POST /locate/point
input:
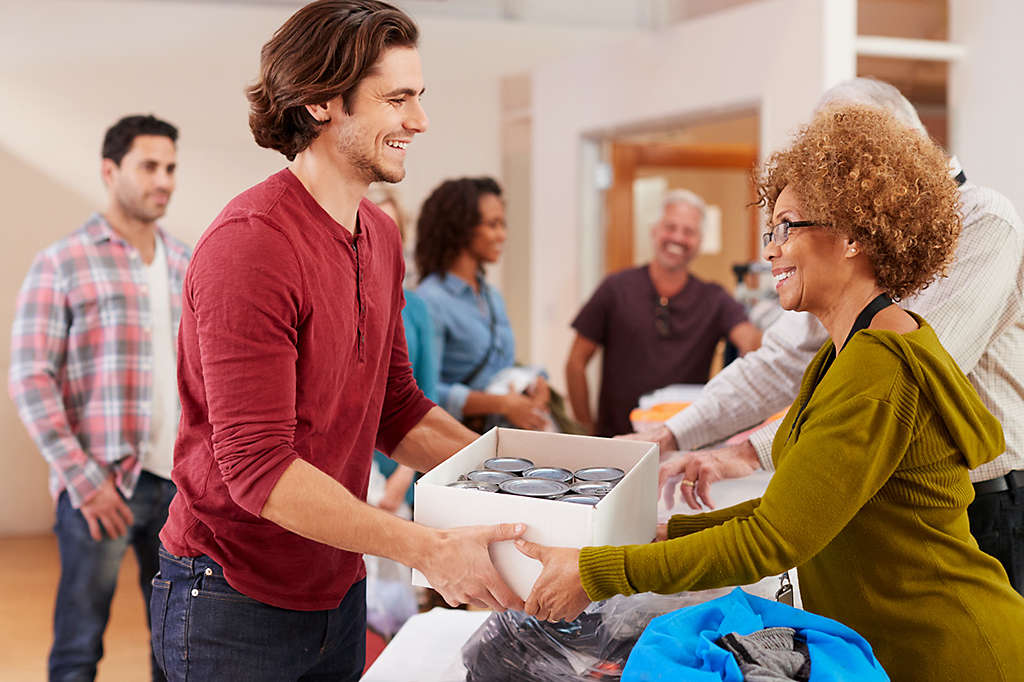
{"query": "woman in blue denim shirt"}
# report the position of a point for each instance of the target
(460, 228)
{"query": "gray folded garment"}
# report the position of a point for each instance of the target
(769, 655)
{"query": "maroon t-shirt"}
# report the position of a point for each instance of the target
(637, 359)
(291, 346)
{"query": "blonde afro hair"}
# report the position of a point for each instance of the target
(872, 179)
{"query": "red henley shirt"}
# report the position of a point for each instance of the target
(291, 346)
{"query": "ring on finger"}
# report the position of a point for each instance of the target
(688, 483)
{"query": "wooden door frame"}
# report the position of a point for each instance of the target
(627, 157)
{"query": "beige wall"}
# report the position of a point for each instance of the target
(516, 130)
(985, 96)
(37, 211)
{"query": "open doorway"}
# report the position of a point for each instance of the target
(713, 158)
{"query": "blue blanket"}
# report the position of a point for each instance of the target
(681, 645)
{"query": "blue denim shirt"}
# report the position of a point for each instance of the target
(419, 337)
(462, 328)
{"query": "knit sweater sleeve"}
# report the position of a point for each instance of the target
(844, 454)
(684, 524)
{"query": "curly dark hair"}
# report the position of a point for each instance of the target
(863, 174)
(118, 139)
(447, 221)
(324, 50)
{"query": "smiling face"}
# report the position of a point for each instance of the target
(677, 236)
(142, 184)
(489, 236)
(809, 269)
(384, 114)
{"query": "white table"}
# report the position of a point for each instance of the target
(428, 648)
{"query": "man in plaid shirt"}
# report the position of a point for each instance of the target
(93, 376)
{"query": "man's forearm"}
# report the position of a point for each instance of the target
(579, 394)
(479, 402)
(433, 440)
(310, 503)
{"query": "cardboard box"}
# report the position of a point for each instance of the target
(627, 515)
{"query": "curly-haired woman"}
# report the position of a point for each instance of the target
(461, 227)
(871, 486)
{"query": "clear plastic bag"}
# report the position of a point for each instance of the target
(515, 647)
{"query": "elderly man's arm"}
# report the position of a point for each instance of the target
(746, 337)
(748, 390)
(753, 387)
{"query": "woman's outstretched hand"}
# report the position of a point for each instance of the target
(558, 593)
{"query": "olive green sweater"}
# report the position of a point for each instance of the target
(869, 501)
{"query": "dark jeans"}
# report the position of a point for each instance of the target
(204, 629)
(88, 576)
(997, 523)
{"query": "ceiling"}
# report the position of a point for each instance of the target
(648, 14)
(924, 82)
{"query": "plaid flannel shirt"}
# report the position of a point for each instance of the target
(81, 356)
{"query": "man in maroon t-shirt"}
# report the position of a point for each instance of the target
(292, 367)
(657, 324)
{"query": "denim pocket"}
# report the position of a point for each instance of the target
(214, 586)
(158, 616)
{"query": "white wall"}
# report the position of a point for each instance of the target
(777, 56)
(70, 68)
(986, 97)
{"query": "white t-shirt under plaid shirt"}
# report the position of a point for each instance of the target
(158, 457)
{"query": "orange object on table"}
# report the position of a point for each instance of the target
(657, 414)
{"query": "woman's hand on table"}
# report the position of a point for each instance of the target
(558, 593)
(694, 472)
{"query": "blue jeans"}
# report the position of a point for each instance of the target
(88, 576)
(203, 629)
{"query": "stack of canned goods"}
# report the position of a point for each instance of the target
(518, 476)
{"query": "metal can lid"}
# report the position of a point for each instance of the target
(475, 485)
(512, 465)
(611, 474)
(596, 488)
(533, 487)
(551, 473)
(580, 499)
(489, 476)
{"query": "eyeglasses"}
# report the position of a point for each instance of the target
(662, 319)
(778, 234)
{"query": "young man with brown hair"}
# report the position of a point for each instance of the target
(293, 366)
